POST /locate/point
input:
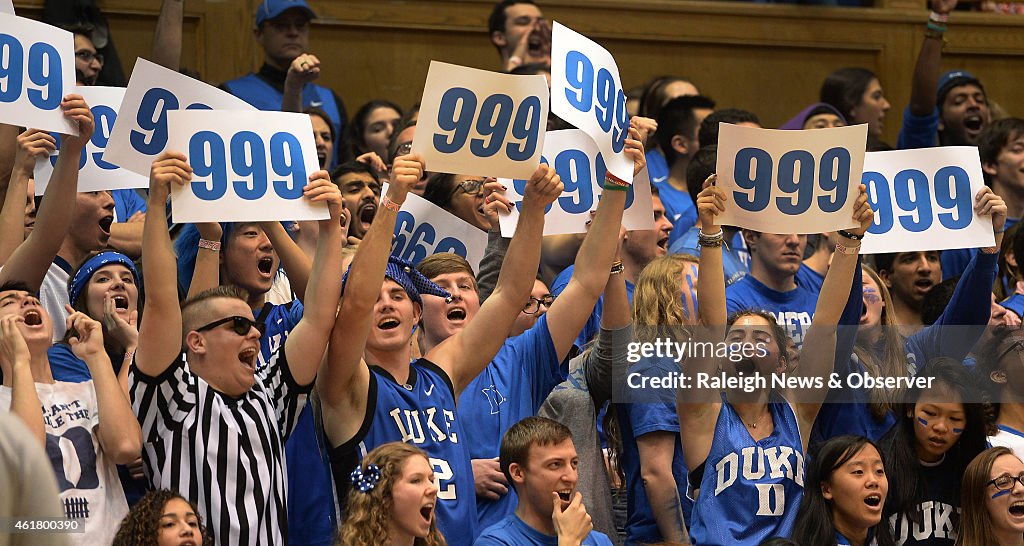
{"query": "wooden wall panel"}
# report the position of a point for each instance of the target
(767, 58)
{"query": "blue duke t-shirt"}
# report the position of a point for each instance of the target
(512, 387)
(793, 310)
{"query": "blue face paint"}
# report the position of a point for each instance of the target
(922, 421)
(1000, 494)
(958, 431)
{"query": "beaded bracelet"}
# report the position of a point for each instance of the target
(711, 240)
(387, 203)
(852, 250)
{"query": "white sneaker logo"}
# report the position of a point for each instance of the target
(430, 390)
(316, 104)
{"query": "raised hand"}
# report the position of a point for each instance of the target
(304, 69)
(646, 126)
(170, 168)
(77, 110)
(321, 190)
(495, 202)
(543, 187)
(406, 172)
(634, 149)
(943, 6)
(862, 212)
(33, 144)
(574, 523)
(989, 203)
(373, 161)
(710, 203)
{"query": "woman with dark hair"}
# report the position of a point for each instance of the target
(738, 429)
(323, 135)
(846, 490)
(993, 500)
(939, 430)
(462, 195)
(371, 129)
(858, 96)
(392, 499)
(163, 518)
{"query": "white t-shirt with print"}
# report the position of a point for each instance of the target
(89, 487)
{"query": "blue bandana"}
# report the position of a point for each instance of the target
(412, 281)
(90, 266)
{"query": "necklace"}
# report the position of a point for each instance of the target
(754, 424)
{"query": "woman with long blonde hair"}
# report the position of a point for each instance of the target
(651, 458)
(392, 501)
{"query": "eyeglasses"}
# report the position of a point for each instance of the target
(533, 306)
(471, 187)
(240, 325)
(1006, 482)
(88, 57)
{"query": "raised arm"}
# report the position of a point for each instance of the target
(464, 355)
(32, 144)
(698, 409)
(119, 431)
(308, 340)
(970, 304)
(32, 259)
(206, 274)
(818, 353)
(304, 69)
(24, 399)
(160, 332)
(613, 338)
(296, 264)
(920, 121)
(572, 308)
(167, 37)
(344, 379)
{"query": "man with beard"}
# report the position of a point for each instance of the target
(282, 30)
(520, 33)
(360, 190)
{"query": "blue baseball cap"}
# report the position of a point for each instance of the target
(269, 9)
(951, 79)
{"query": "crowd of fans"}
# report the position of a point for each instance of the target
(294, 383)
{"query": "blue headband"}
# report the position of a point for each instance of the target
(90, 266)
(409, 278)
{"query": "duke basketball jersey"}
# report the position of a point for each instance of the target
(751, 490)
(422, 413)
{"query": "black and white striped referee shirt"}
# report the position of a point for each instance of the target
(225, 454)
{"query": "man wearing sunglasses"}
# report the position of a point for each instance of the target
(214, 428)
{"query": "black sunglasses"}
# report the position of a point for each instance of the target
(240, 325)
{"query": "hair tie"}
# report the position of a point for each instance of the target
(366, 480)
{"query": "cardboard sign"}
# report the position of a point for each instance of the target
(95, 174)
(38, 69)
(475, 121)
(246, 166)
(586, 91)
(790, 181)
(582, 169)
(924, 200)
(152, 92)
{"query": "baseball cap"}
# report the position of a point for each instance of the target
(951, 79)
(269, 9)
